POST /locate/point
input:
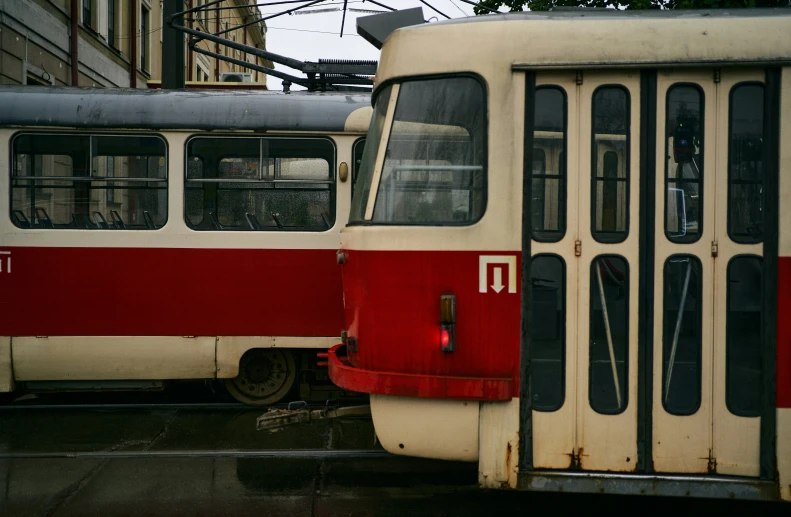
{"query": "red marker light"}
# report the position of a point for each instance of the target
(444, 337)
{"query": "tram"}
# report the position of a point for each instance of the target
(566, 258)
(148, 236)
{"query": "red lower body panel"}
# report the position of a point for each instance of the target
(348, 377)
(169, 292)
(392, 304)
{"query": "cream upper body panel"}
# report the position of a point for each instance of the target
(493, 44)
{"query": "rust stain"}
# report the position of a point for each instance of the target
(712, 463)
(576, 459)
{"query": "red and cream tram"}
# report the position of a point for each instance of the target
(566, 257)
(156, 235)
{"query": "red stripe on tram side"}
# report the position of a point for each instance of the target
(392, 304)
(169, 292)
(784, 332)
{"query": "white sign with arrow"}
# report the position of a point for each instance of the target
(498, 262)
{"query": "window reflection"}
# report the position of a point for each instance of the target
(433, 171)
(549, 167)
(610, 164)
(682, 332)
(684, 172)
(745, 164)
(548, 344)
(609, 334)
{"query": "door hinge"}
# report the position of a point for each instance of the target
(577, 248)
(579, 78)
(715, 248)
(717, 75)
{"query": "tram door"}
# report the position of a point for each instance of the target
(708, 269)
(707, 272)
(586, 251)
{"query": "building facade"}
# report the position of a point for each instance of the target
(118, 42)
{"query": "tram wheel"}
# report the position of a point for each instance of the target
(265, 376)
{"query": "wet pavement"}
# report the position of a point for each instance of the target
(210, 460)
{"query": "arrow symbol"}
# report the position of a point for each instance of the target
(498, 279)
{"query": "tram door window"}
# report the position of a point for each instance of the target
(745, 163)
(609, 335)
(260, 184)
(610, 163)
(684, 168)
(77, 181)
(743, 340)
(549, 165)
(548, 352)
(682, 335)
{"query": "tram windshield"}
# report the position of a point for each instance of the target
(433, 168)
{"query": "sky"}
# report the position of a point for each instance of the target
(314, 33)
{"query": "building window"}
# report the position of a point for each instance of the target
(111, 22)
(144, 24)
(87, 13)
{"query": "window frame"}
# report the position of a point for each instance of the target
(731, 236)
(89, 135)
(608, 237)
(374, 190)
(563, 179)
(333, 182)
(701, 210)
(563, 340)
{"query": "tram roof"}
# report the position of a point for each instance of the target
(590, 38)
(126, 108)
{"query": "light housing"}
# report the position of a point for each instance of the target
(447, 322)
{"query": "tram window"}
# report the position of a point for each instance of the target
(368, 159)
(260, 184)
(608, 387)
(549, 165)
(433, 172)
(745, 163)
(682, 327)
(743, 335)
(548, 340)
(357, 157)
(610, 164)
(684, 169)
(89, 182)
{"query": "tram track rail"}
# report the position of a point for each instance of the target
(308, 454)
(165, 406)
